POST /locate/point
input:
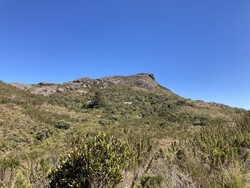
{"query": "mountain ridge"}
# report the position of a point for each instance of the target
(83, 84)
(145, 96)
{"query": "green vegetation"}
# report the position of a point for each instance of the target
(96, 163)
(150, 138)
(217, 155)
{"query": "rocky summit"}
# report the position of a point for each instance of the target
(83, 85)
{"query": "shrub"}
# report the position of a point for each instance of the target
(14, 137)
(97, 101)
(97, 163)
(44, 134)
(62, 125)
(103, 122)
(148, 181)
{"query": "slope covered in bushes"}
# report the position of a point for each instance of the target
(171, 141)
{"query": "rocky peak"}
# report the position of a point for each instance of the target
(144, 80)
(83, 85)
(147, 74)
(140, 80)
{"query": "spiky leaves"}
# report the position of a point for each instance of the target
(97, 163)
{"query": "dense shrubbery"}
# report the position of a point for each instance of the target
(97, 101)
(217, 155)
(97, 163)
(36, 131)
(122, 101)
(42, 131)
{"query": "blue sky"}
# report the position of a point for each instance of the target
(198, 49)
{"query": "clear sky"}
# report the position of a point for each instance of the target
(199, 49)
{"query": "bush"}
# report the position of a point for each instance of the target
(62, 125)
(148, 181)
(44, 134)
(43, 131)
(97, 101)
(97, 163)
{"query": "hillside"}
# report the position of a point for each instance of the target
(39, 122)
(139, 94)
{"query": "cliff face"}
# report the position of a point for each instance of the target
(83, 85)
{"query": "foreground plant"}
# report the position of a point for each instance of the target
(97, 163)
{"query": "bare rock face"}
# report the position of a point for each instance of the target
(141, 80)
(47, 90)
(83, 85)
(21, 86)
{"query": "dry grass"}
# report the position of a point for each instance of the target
(13, 118)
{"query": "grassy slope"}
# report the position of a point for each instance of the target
(29, 136)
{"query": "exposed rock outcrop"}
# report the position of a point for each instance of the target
(83, 85)
(21, 86)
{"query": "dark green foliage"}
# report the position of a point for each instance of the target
(72, 101)
(148, 181)
(97, 163)
(44, 133)
(200, 121)
(97, 101)
(62, 125)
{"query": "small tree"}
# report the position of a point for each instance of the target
(97, 163)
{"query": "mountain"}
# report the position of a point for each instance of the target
(139, 93)
(84, 85)
(38, 123)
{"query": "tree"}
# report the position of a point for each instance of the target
(97, 163)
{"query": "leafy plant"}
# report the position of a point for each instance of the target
(97, 163)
